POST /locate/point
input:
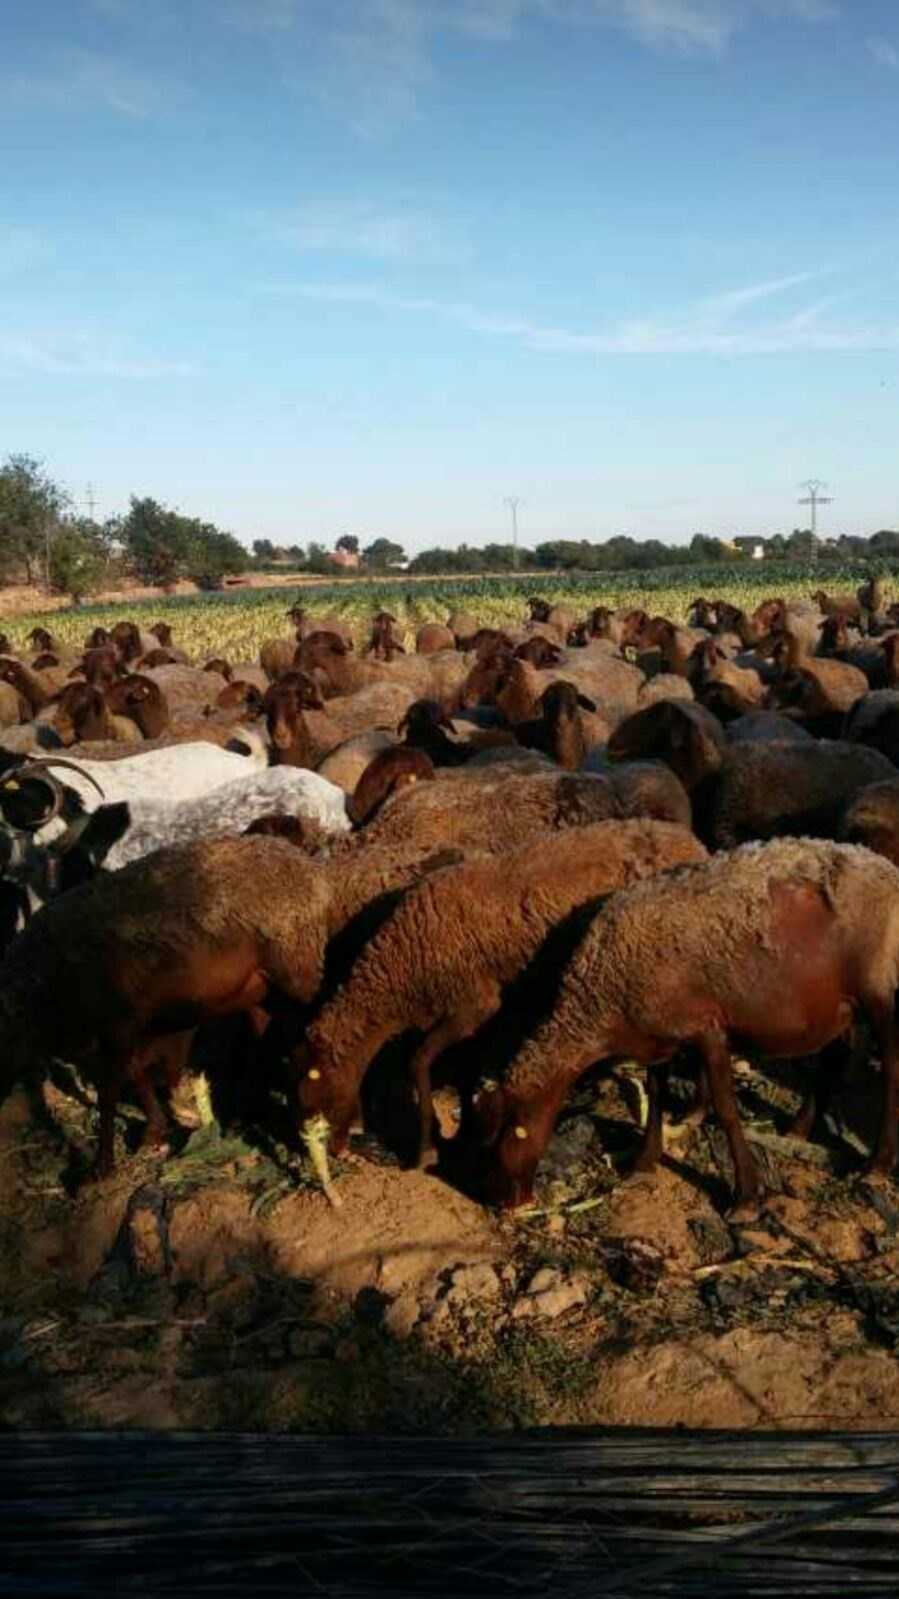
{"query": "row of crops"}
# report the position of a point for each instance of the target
(235, 624)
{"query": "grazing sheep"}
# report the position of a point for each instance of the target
(440, 962)
(498, 811)
(764, 791)
(183, 936)
(775, 945)
(390, 772)
(157, 823)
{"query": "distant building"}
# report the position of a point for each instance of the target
(751, 547)
(348, 559)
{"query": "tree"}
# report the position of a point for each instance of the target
(156, 541)
(31, 505)
(382, 553)
(263, 549)
(318, 559)
(78, 559)
(348, 542)
(212, 555)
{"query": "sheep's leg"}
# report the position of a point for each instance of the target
(157, 1128)
(716, 1056)
(451, 1030)
(883, 1023)
(650, 1152)
(108, 1091)
(825, 1080)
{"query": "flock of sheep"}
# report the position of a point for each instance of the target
(532, 849)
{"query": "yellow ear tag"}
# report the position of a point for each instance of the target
(521, 1132)
(314, 1075)
(12, 786)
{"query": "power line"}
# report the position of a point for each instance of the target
(513, 501)
(814, 498)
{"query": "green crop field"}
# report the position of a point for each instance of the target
(235, 624)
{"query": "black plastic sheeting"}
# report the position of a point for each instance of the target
(562, 1514)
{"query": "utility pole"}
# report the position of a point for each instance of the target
(814, 498)
(513, 501)
(90, 501)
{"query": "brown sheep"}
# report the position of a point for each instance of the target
(687, 737)
(221, 666)
(539, 651)
(126, 636)
(160, 657)
(246, 699)
(561, 730)
(346, 762)
(872, 819)
(82, 713)
(40, 639)
(391, 772)
(821, 690)
(276, 657)
(142, 701)
(163, 632)
(13, 709)
(433, 636)
(722, 685)
(5, 645)
(183, 935)
(496, 813)
(97, 637)
(776, 946)
(101, 666)
(28, 685)
(385, 641)
(440, 962)
(285, 702)
(463, 627)
(764, 791)
(874, 722)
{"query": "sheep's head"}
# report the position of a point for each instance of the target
(220, 665)
(422, 720)
(97, 637)
(141, 699)
(561, 702)
(325, 1089)
(685, 736)
(101, 666)
(245, 695)
(390, 771)
(538, 610)
(126, 638)
(81, 714)
(284, 703)
(511, 1131)
(162, 631)
(539, 651)
(41, 639)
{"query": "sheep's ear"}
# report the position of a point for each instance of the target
(585, 703)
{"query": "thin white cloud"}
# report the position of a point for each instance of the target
(703, 329)
(79, 80)
(82, 354)
(365, 229)
(884, 53)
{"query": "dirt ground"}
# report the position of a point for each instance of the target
(218, 1288)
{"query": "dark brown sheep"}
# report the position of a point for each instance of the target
(776, 946)
(142, 701)
(221, 666)
(440, 962)
(561, 731)
(127, 639)
(392, 771)
(293, 744)
(385, 642)
(539, 652)
(686, 736)
(101, 666)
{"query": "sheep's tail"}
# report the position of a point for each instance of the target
(315, 1137)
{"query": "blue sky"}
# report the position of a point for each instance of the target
(373, 265)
